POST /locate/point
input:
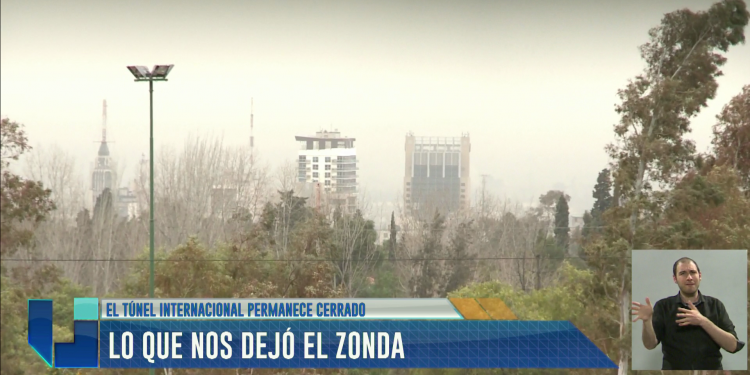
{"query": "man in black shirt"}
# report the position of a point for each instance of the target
(691, 327)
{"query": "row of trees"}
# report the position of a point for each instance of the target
(658, 192)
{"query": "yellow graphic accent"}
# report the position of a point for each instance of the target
(469, 308)
(497, 309)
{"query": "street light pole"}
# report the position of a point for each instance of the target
(159, 73)
(151, 190)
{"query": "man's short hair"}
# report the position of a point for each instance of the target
(684, 260)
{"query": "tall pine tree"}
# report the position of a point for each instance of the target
(603, 196)
(562, 224)
(594, 221)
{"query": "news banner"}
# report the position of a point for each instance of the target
(308, 333)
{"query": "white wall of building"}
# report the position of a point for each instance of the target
(323, 162)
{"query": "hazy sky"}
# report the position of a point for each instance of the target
(533, 82)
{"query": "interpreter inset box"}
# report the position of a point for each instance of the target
(690, 309)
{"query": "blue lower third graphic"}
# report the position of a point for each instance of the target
(347, 344)
(83, 351)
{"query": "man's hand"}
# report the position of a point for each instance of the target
(644, 312)
(690, 317)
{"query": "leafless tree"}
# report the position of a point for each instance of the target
(200, 189)
(353, 248)
(74, 232)
(55, 168)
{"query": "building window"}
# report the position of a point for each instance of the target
(315, 181)
(328, 182)
(315, 174)
(315, 167)
(302, 158)
(328, 174)
(328, 167)
(315, 159)
(328, 159)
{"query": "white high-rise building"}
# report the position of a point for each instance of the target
(328, 161)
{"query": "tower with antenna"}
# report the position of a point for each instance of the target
(103, 177)
(104, 121)
(252, 139)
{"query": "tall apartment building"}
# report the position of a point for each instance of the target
(329, 162)
(437, 174)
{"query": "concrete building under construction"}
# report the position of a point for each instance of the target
(437, 175)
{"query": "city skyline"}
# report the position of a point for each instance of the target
(534, 84)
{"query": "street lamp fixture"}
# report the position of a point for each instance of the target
(159, 73)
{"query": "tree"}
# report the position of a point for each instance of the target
(427, 279)
(198, 191)
(22, 201)
(46, 282)
(24, 204)
(593, 221)
(682, 62)
(353, 250)
(291, 210)
(547, 203)
(567, 299)
(588, 222)
(706, 212)
(562, 224)
(732, 136)
(603, 197)
(55, 168)
(462, 264)
(392, 238)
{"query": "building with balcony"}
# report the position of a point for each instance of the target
(437, 175)
(328, 162)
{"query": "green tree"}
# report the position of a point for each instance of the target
(588, 223)
(705, 212)
(547, 203)
(732, 136)
(46, 282)
(683, 57)
(426, 281)
(22, 201)
(562, 224)
(603, 197)
(593, 221)
(567, 299)
(462, 264)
